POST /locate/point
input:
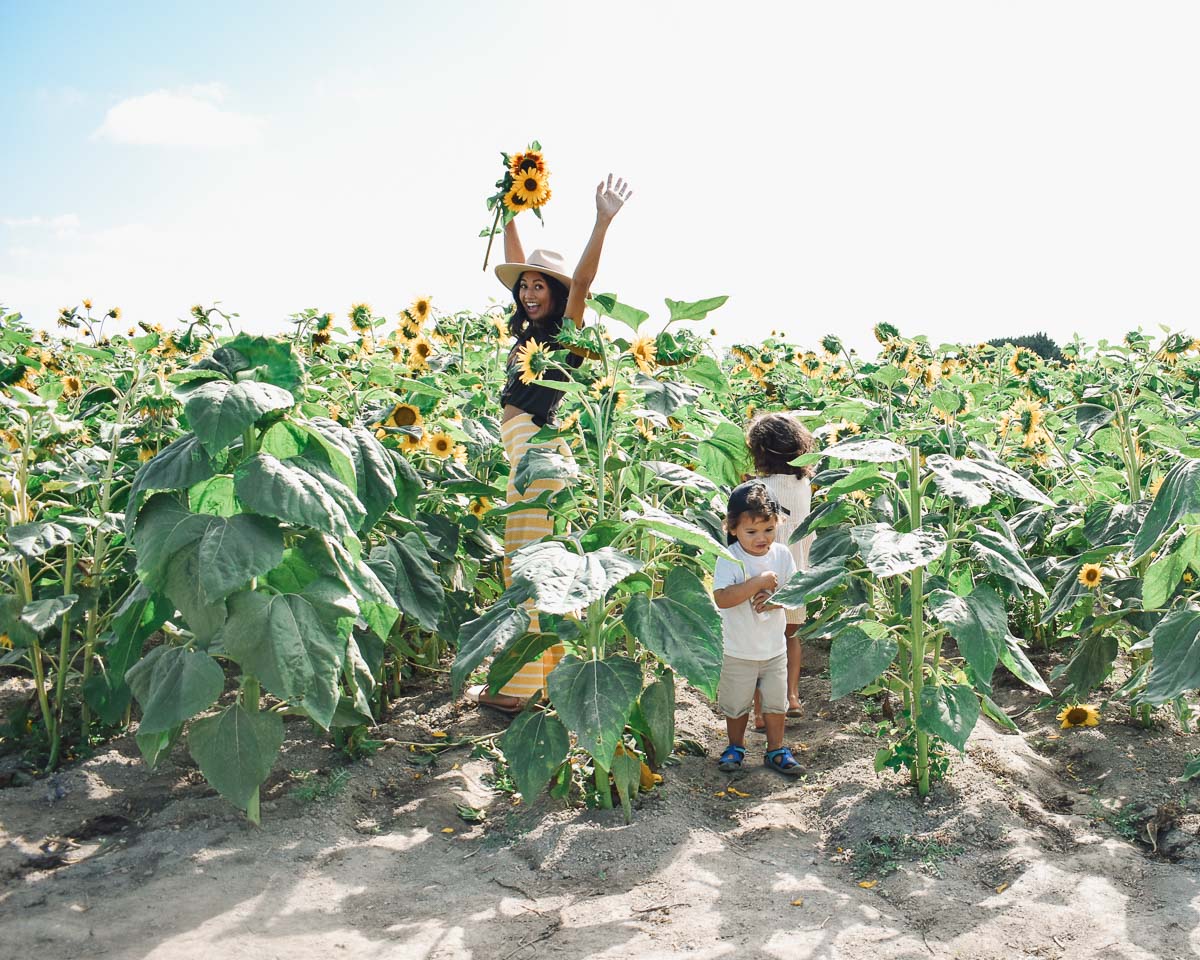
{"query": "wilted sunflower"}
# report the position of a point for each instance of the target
(831, 344)
(146, 452)
(1025, 417)
(1079, 715)
(324, 322)
(72, 386)
(569, 421)
(1175, 345)
(404, 415)
(421, 348)
(320, 339)
(479, 506)
(810, 364)
(1022, 361)
(115, 313)
(644, 427)
(532, 359)
(360, 316)
(420, 310)
(441, 445)
(1090, 575)
(9, 439)
(886, 332)
(66, 318)
(645, 352)
(1155, 486)
(951, 411)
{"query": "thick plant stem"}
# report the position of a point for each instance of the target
(917, 634)
(64, 649)
(250, 697)
(603, 790)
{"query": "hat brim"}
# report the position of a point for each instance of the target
(510, 273)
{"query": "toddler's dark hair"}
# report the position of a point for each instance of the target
(774, 440)
(753, 498)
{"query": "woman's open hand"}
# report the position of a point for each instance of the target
(611, 197)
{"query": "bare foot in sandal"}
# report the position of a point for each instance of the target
(494, 701)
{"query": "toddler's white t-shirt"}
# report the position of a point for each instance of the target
(750, 635)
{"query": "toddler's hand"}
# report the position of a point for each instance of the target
(760, 601)
(768, 581)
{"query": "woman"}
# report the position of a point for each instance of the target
(546, 298)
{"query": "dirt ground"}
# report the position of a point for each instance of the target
(1076, 844)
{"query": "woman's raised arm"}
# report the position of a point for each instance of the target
(610, 198)
(513, 252)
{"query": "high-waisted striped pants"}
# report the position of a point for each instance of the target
(522, 528)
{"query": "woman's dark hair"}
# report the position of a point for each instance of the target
(519, 324)
(774, 440)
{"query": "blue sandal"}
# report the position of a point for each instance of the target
(782, 761)
(731, 759)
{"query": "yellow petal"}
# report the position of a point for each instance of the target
(867, 884)
(440, 734)
(798, 902)
(736, 792)
(1002, 888)
(719, 793)
(447, 829)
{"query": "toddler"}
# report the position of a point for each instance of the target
(753, 627)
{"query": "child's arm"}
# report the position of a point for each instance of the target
(731, 596)
(760, 601)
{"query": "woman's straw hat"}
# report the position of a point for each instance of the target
(543, 261)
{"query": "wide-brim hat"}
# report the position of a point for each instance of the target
(543, 261)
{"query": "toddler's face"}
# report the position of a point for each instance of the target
(754, 533)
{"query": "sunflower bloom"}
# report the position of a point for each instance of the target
(412, 441)
(1022, 361)
(146, 452)
(533, 186)
(532, 359)
(569, 421)
(1155, 486)
(516, 201)
(810, 364)
(1090, 575)
(645, 352)
(1079, 715)
(360, 316)
(459, 453)
(441, 445)
(529, 161)
(404, 415)
(72, 386)
(885, 332)
(479, 506)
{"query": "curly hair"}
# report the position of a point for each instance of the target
(775, 439)
(519, 324)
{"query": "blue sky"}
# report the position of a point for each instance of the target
(962, 170)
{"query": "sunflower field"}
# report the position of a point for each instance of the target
(210, 530)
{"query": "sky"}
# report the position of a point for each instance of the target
(964, 170)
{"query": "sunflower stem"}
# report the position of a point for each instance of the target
(492, 234)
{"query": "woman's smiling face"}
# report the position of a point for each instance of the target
(535, 296)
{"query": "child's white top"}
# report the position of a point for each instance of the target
(750, 635)
(795, 495)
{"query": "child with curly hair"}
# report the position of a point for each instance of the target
(776, 439)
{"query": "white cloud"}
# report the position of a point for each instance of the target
(189, 117)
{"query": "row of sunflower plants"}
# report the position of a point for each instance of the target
(621, 584)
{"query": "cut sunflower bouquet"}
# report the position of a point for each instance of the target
(525, 185)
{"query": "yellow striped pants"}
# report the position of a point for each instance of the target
(522, 528)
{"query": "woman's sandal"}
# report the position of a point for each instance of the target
(478, 694)
(782, 761)
(731, 759)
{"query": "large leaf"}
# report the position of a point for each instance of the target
(665, 396)
(1111, 524)
(280, 489)
(284, 641)
(874, 450)
(235, 549)
(1090, 417)
(375, 472)
(273, 359)
(163, 528)
(220, 411)
(1092, 662)
(535, 745)
(593, 699)
(142, 613)
(520, 650)
(859, 655)
(563, 580)
(501, 624)
(657, 708)
(178, 466)
(950, 711)
(887, 552)
(541, 463)
(1002, 556)
(723, 455)
(236, 750)
(181, 585)
(676, 528)
(33, 540)
(173, 684)
(1178, 497)
(972, 482)
(607, 305)
(404, 566)
(694, 310)
(1176, 664)
(41, 615)
(1014, 658)
(806, 585)
(678, 476)
(1162, 576)
(979, 622)
(683, 628)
